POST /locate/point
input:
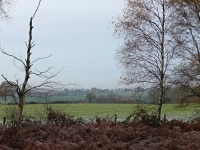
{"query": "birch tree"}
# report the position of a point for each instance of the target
(187, 35)
(148, 49)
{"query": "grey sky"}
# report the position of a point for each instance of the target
(77, 33)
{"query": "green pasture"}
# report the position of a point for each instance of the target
(89, 111)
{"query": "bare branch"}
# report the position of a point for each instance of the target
(14, 63)
(36, 9)
(2, 51)
(41, 58)
(5, 8)
(41, 73)
(9, 82)
(46, 82)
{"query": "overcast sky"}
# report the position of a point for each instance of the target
(77, 33)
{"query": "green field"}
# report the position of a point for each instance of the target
(89, 111)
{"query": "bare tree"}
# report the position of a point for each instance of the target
(5, 8)
(6, 91)
(148, 50)
(187, 28)
(22, 89)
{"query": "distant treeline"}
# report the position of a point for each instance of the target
(138, 96)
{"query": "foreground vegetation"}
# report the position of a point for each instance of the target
(143, 131)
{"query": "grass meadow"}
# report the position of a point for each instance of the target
(89, 111)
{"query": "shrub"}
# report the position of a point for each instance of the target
(141, 114)
(62, 119)
(10, 112)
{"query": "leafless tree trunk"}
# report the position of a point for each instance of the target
(27, 69)
(148, 50)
